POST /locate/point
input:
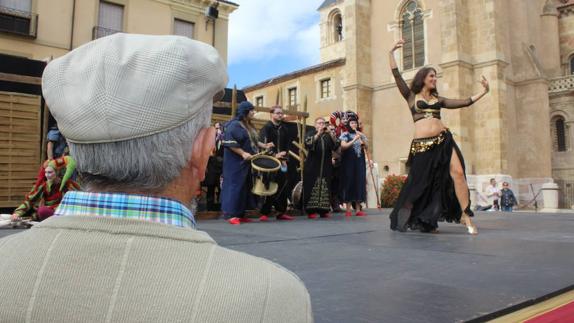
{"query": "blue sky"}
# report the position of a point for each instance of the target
(268, 38)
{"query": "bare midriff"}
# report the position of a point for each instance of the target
(430, 127)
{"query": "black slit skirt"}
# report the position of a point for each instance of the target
(428, 195)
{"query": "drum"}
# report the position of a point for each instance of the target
(296, 195)
(264, 169)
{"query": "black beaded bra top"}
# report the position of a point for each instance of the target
(421, 109)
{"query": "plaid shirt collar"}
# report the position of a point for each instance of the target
(129, 206)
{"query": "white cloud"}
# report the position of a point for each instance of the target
(266, 29)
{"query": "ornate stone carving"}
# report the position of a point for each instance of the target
(561, 84)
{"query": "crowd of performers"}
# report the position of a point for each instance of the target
(334, 167)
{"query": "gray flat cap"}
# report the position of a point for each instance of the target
(128, 86)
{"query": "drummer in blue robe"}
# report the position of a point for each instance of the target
(240, 143)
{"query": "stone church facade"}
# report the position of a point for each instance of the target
(520, 132)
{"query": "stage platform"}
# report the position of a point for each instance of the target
(357, 270)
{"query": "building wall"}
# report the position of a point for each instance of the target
(307, 86)
(464, 40)
(520, 46)
(331, 49)
(155, 17)
(562, 105)
(566, 30)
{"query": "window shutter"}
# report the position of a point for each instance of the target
(183, 28)
(111, 16)
(21, 5)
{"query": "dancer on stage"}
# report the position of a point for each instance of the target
(353, 178)
(240, 143)
(436, 188)
(319, 170)
(275, 131)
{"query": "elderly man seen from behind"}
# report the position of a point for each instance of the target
(136, 111)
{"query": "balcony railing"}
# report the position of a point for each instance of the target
(99, 32)
(561, 84)
(18, 22)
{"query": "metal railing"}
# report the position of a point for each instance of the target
(561, 84)
(18, 22)
(566, 195)
(99, 32)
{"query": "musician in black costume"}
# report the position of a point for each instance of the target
(436, 188)
(276, 132)
(319, 170)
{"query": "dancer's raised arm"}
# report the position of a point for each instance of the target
(401, 84)
(461, 103)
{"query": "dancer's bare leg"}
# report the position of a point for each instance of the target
(460, 188)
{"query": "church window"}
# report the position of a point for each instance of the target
(336, 26)
(559, 134)
(412, 32)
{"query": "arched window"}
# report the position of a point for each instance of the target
(572, 64)
(335, 26)
(412, 31)
(559, 134)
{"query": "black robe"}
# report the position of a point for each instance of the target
(280, 137)
(318, 172)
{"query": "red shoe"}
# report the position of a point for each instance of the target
(264, 218)
(361, 213)
(234, 221)
(312, 216)
(245, 220)
(326, 215)
(349, 213)
(285, 217)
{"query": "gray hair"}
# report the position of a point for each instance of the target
(146, 164)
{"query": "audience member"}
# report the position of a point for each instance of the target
(493, 194)
(136, 110)
(507, 198)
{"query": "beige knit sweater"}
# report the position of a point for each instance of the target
(94, 269)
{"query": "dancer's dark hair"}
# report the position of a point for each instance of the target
(419, 81)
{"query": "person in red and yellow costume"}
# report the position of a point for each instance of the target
(49, 189)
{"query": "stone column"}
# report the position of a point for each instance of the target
(357, 88)
(472, 190)
(550, 51)
(550, 196)
(457, 80)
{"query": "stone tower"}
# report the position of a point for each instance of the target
(346, 33)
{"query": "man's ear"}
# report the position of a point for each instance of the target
(202, 147)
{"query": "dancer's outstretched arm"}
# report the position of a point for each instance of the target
(401, 84)
(457, 104)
